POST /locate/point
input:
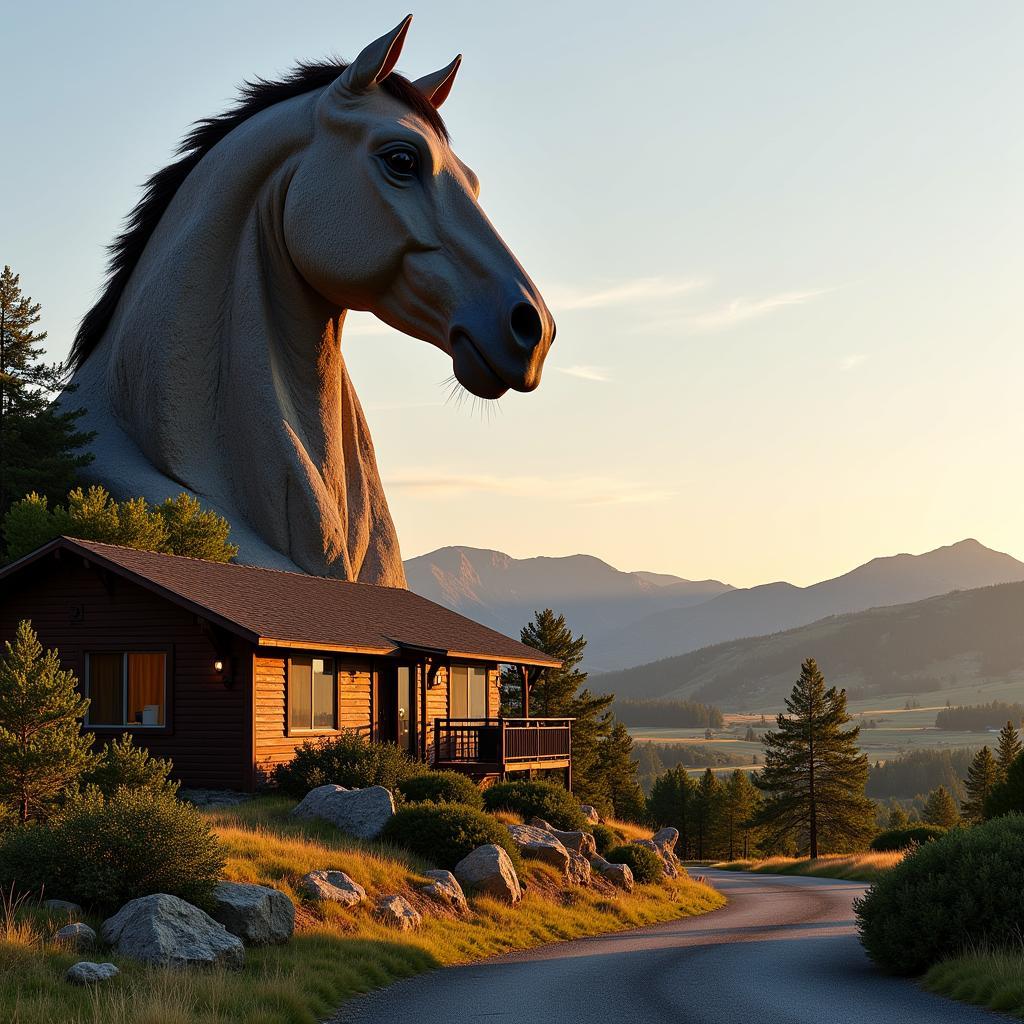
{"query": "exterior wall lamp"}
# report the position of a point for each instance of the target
(222, 666)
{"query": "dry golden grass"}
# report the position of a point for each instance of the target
(854, 867)
(335, 953)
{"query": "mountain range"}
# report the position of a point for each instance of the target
(635, 618)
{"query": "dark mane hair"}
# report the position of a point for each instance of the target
(126, 249)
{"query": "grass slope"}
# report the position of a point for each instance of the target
(335, 953)
(852, 867)
(991, 979)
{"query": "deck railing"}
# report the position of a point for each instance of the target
(502, 741)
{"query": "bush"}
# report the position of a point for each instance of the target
(903, 838)
(348, 760)
(442, 788)
(606, 837)
(123, 764)
(445, 833)
(645, 864)
(964, 889)
(104, 852)
(546, 800)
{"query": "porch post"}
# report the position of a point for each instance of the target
(525, 672)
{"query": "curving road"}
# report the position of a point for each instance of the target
(784, 951)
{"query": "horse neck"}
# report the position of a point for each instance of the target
(226, 368)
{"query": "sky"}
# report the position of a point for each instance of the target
(782, 243)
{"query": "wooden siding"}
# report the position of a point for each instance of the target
(77, 608)
(271, 742)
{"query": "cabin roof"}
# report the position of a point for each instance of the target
(274, 608)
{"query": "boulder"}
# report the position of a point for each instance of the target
(359, 812)
(620, 875)
(541, 845)
(579, 869)
(334, 886)
(62, 907)
(87, 973)
(445, 889)
(397, 912)
(590, 813)
(581, 842)
(668, 859)
(541, 823)
(666, 839)
(165, 930)
(488, 870)
(77, 936)
(257, 914)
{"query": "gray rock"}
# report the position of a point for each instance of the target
(257, 914)
(590, 813)
(165, 930)
(87, 973)
(488, 870)
(541, 823)
(541, 845)
(579, 869)
(77, 936)
(445, 889)
(334, 886)
(620, 875)
(666, 839)
(62, 907)
(581, 842)
(358, 812)
(668, 859)
(397, 912)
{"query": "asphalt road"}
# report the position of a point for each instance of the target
(784, 951)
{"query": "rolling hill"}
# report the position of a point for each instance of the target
(968, 637)
(781, 606)
(504, 592)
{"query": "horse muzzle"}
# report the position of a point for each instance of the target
(490, 358)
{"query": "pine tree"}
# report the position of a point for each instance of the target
(1007, 749)
(617, 769)
(897, 818)
(673, 802)
(982, 777)
(814, 775)
(740, 800)
(40, 446)
(43, 753)
(707, 832)
(940, 809)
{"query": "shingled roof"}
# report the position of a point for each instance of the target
(272, 608)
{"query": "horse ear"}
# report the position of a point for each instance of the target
(437, 86)
(376, 62)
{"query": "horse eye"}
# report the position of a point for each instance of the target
(401, 162)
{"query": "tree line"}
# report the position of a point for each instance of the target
(670, 714)
(978, 717)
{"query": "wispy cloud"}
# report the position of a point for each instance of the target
(595, 373)
(741, 310)
(640, 289)
(589, 491)
(851, 362)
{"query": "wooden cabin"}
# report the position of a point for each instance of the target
(227, 668)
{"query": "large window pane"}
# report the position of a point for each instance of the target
(146, 678)
(324, 705)
(477, 692)
(300, 693)
(106, 689)
(459, 691)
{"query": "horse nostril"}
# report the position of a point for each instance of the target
(527, 328)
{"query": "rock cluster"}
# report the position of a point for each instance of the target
(358, 812)
(620, 875)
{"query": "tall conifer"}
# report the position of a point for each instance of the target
(1007, 749)
(982, 776)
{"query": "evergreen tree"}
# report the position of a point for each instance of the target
(43, 753)
(1007, 749)
(617, 769)
(1007, 796)
(982, 776)
(740, 800)
(814, 775)
(707, 833)
(673, 802)
(40, 447)
(940, 809)
(898, 817)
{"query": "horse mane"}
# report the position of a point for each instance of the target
(126, 250)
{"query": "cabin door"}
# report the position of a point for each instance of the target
(396, 707)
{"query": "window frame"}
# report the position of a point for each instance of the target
(483, 667)
(289, 729)
(124, 650)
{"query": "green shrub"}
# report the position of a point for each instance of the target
(123, 764)
(442, 788)
(902, 838)
(645, 864)
(547, 800)
(606, 837)
(347, 760)
(104, 852)
(964, 889)
(445, 833)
